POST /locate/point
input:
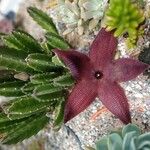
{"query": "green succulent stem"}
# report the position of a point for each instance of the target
(124, 17)
(34, 79)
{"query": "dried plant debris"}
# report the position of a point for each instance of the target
(145, 57)
(125, 17)
(79, 14)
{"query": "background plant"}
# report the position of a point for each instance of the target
(34, 79)
(79, 15)
(127, 138)
(124, 17)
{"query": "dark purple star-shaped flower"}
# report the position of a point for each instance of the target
(98, 75)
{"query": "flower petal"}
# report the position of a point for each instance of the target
(126, 69)
(78, 63)
(82, 95)
(103, 48)
(114, 99)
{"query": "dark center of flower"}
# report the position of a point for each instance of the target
(98, 75)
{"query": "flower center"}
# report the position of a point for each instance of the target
(98, 75)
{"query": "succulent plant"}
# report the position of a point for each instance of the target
(80, 13)
(124, 17)
(34, 79)
(128, 138)
(92, 10)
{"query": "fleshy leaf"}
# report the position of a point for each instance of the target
(26, 105)
(48, 93)
(57, 41)
(11, 89)
(42, 19)
(127, 140)
(129, 128)
(23, 41)
(28, 88)
(43, 78)
(114, 142)
(13, 53)
(9, 124)
(143, 141)
(3, 118)
(41, 63)
(124, 17)
(102, 144)
(64, 80)
(15, 64)
(59, 115)
(26, 129)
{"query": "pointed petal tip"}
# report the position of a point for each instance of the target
(103, 48)
(67, 117)
(57, 51)
(126, 69)
(126, 119)
(113, 97)
(82, 95)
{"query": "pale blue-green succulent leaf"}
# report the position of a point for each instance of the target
(102, 144)
(127, 145)
(130, 128)
(114, 142)
(144, 141)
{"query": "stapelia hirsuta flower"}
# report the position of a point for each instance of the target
(98, 75)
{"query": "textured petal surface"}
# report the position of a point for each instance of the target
(114, 99)
(126, 69)
(102, 49)
(82, 95)
(78, 63)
